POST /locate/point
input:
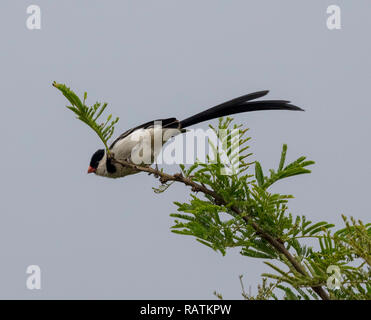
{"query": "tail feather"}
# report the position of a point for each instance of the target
(238, 105)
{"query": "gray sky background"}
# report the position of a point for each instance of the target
(101, 238)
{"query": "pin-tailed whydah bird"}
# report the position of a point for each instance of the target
(122, 148)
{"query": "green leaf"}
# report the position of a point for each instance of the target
(259, 174)
(283, 157)
(89, 115)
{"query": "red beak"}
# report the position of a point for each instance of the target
(91, 169)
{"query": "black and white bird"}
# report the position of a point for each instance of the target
(122, 148)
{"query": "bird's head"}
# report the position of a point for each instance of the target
(96, 158)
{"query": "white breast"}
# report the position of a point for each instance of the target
(143, 145)
(140, 147)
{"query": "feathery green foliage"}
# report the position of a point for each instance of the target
(220, 228)
(89, 115)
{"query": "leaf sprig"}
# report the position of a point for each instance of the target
(89, 115)
(294, 168)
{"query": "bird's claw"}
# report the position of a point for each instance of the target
(156, 174)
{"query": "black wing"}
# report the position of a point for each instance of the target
(165, 123)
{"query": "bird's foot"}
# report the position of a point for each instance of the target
(110, 156)
(156, 168)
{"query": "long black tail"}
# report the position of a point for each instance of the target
(239, 105)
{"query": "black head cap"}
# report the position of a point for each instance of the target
(97, 156)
